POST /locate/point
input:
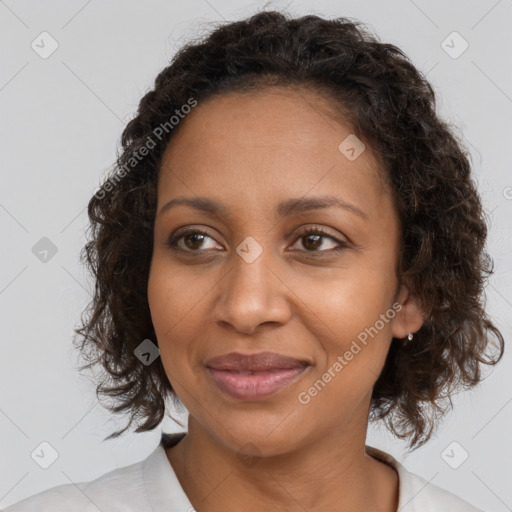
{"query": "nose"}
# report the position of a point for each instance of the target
(251, 294)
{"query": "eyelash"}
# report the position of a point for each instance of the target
(174, 239)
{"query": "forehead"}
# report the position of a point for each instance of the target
(262, 146)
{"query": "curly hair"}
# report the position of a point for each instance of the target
(391, 107)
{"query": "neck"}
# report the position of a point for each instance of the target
(332, 473)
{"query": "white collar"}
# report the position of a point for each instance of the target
(415, 494)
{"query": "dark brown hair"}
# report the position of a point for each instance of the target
(391, 107)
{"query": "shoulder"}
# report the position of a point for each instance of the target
(146, 486)
(419, 495)
(425, 496)
(119, 490)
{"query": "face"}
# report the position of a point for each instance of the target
(256, 274)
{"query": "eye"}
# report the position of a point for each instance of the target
(195, 235)
(314, 237)
(196, 238)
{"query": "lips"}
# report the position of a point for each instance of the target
(262, 361)
(254, 376)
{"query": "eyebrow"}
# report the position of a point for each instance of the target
(284, 209)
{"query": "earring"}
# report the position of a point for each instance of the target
(409, 336)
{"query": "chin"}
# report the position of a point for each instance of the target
(258, 439)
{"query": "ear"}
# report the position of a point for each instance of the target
(411, 316)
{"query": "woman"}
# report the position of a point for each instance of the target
(291, 246)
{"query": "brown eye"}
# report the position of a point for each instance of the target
(314, 238)
(193, 240)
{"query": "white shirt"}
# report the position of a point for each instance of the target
(151, 485)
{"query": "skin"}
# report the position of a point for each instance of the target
(250, 152)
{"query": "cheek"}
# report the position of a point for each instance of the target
(166, 311)
(176, 311)
(171, 295)
(354, 349)
(356, 316)
(352, 302)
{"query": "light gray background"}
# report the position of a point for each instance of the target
(61, 119)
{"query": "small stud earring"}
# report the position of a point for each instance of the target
(409, 336)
